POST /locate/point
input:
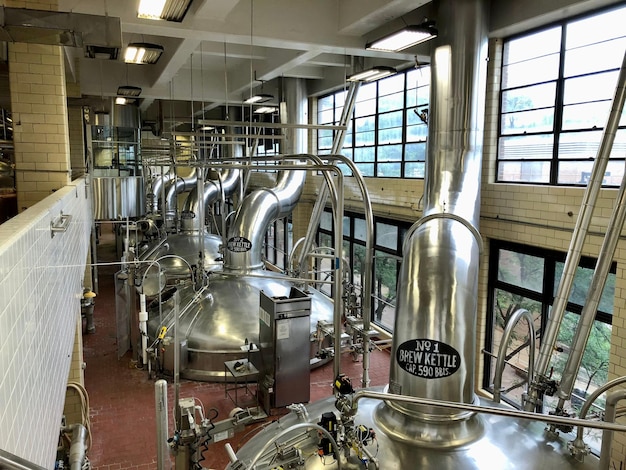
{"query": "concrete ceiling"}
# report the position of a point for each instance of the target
(224, 50)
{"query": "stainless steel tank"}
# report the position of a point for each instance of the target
(216, 322)
(501, 443)
(220, 314)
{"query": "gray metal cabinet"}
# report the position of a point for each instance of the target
(284, 343)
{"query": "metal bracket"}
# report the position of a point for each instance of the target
(60, 224)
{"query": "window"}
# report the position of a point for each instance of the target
(278, 242)
(386, 135)
(556, 94)
(528, 277)
(388, 238)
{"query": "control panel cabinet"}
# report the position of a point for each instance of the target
(284, 343)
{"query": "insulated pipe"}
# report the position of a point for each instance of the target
(143, 328)
(598, 281)
(178, 185)
(581, 228)
(263, 206)
(78, 447)
(435, 324)
(603, 265)
(257, 211)
(504, 342)
(607, 436)
(212, 192)
(157, 188)
(160, 398)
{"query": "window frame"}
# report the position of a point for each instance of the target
(545, 297)
(559, 131)
(351, 240)
(374, 154)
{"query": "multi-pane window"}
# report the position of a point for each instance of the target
(278, 242)
(556, 94)
(528, 278)
(388, 238)
(386, 135)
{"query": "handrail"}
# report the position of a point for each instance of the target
(553, 419)
(13, 462)
(578, 445)
(511, 322)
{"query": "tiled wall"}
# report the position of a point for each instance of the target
(40, 287)
(40, 121)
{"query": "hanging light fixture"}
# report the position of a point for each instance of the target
(266, 110)
(372, 74)
(142, 53)
(128, 91)
(259, 98)
(169, 10)
(408, 36)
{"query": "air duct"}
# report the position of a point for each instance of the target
(176, 186)
(100, 36)
(213, 190)
(265, 205)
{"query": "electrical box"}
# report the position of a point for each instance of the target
(284, 344)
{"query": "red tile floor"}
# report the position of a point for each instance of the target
(122, 399)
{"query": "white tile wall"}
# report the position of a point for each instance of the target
(40, 290)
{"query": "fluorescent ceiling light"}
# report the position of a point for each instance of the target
(142, 53)
(170, 10)
(122, 100)
(127, 90)
(266, 110)
(207, 128)
(403, 39)
(259, 98)
(369, 75)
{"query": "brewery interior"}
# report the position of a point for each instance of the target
(283, 234)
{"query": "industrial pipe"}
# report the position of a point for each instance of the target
(553, 419)
(578, 443)
(143, 328)
(504, 343)
(78, 446)
(580, 231)
(605, 258)
(433, 349)
(610, 413)
(160, 397)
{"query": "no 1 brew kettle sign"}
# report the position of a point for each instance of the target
(428, 358)
(239, 244)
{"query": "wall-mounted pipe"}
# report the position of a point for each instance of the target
(605, 258)
(581, 228)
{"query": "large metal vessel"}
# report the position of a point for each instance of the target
(219, 307)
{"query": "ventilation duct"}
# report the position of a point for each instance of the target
(100, 36)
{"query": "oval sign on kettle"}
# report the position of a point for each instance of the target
(428, 358)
